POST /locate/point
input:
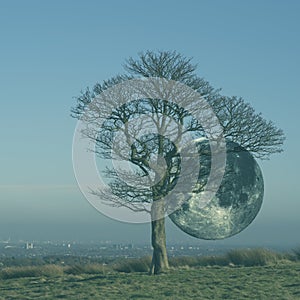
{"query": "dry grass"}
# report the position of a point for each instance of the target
(133, 265)
(296, 253)
(241, 257)
(31, 271)
(253, 257)
(86, 269)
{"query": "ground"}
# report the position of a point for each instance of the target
(265, 282)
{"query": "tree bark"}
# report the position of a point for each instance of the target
(159, 262)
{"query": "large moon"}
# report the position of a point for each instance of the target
(236, 203)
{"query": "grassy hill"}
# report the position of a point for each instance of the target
(277, 277)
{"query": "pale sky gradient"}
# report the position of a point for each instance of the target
(50, 50)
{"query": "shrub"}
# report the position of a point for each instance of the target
(296, 253)
(133, 265)
(239, 257)
(31, 271)
(86, 269)
(220, 260)
(253, 257)
(183, 261)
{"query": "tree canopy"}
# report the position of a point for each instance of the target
(151, 133)
(240, 122)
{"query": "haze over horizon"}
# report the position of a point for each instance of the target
(52, 50)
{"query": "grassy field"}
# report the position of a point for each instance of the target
(276, 280)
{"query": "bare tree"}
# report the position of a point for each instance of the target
(157, 158)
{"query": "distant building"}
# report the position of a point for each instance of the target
(29, 246)
(117, 246)
(130, 246)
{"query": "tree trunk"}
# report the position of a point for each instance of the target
(159, 262)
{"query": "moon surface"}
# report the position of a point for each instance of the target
(236, 203)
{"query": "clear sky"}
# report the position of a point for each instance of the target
(50, 50)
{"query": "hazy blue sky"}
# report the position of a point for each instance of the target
(50, 50)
